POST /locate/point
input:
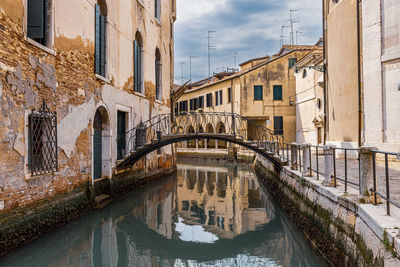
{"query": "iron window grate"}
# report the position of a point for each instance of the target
(42, 141)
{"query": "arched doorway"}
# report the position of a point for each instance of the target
(221, 129)
(101, 144)
(210, 142)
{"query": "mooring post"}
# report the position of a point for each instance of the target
(293, 156)
(328, 166)
(366, 169)
(305, 149)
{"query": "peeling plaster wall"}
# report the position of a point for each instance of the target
(64, 77)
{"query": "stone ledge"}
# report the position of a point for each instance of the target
(378, 233)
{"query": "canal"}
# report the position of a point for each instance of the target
(214, 215)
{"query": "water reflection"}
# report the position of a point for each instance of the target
(206, 216)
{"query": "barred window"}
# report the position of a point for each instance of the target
(42, 154)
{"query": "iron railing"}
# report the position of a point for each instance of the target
(201, 123)
(343, 158)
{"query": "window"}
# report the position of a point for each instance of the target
(176, 108)
(157, 10)
(220, 97)
(216, 98)
(209, 100)
(158, 74)
(304, 74)
(100, 39)
(191, 104)
(201, 102)
(183, 106)
(38, 21)
(138, 63)
(277, 92)
(121, 130)
(292, 62)
(278, 125)
(258, 92)
(42, 142)
(319, 104)
(229, 95)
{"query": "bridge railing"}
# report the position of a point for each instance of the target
(195, 123)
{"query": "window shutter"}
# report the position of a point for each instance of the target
(220, 97)
(157, 9)
(103, 46)
(140, 68)
(36, 19)
(97, 39)
(277, 92)
(135, 66)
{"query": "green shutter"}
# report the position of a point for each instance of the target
(135, 65)
(278, 92)
(102, 46)
(36, 19)
(258, 92)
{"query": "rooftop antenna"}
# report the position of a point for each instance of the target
(190, 66)
(235, 57)
(292, 21)
(283, 36)
(182, 63)
(210, 48)
(297, 32)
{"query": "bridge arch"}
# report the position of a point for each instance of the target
(134, 157)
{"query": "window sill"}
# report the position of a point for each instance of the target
(139, 94)
(44, 48)
(141, 3)
(158, 21)
(258, 100)
(159, 102)
(29, 177)
(102, 78)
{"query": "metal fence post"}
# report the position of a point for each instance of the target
(305, 148)
(328, 166)
(366, 169)
(293, 156)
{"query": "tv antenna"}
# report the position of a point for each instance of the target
(292, 21)
(210, 48)
(283, 36)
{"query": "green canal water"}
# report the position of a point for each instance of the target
(203, 216)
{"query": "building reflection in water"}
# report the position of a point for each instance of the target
(210, 215)
(226, 202)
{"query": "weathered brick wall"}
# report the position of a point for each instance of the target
(65, 81)
(29, 75)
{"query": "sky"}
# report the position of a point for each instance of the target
(251, 28)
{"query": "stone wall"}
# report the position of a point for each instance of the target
(62, 74)
(344, 231)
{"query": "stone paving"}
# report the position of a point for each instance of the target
(353, 172)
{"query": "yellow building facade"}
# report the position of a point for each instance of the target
(263, 91)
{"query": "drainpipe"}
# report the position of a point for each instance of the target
(360, 108)
(325, 63)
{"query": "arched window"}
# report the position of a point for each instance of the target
(304, 74)
(138, 63)
(158, 74)
(319, 104)
(157, 10)
(100, 37)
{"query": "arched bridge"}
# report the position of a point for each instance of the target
(165, 129)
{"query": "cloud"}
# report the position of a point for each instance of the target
(250, 27)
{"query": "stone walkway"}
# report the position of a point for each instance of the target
(353, 173)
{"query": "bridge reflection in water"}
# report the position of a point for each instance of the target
(206, 216)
